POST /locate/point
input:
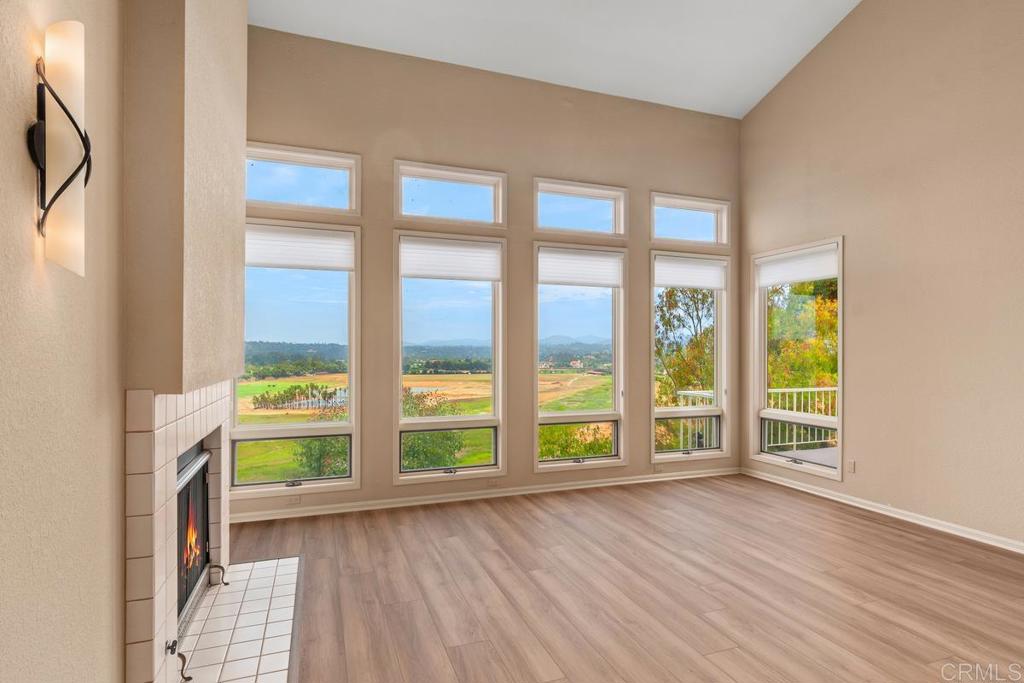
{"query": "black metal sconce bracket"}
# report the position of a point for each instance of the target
(37, 146)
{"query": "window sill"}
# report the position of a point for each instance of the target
(683, 457)
(457, 475)
(257, 491)
(558, 466)
(810, 468)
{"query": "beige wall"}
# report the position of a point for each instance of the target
(61, 414)
(312, 93)
(185, 189)
(903, 131)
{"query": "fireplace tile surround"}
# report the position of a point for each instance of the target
(160, 427)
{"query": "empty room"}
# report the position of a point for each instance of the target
(529, 342)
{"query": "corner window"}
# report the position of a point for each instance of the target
(689, 299)
(688, 219)
(800, 358)
(579, 346)
(301, 179)
(448, 194)
(294, 404)
(449, 397)
(580, 207)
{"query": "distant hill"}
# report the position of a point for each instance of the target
(263, 353)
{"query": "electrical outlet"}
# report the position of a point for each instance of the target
(492, 483)
(659, 468)
(291, 501)
(851, 466)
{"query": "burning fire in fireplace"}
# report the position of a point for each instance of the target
(193, 550)
(193, 522)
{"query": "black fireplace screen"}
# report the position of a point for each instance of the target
(193, 534)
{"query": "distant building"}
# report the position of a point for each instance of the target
(576, 363)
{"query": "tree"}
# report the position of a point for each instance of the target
(323, 457)
(429, 450)
(803, 334)
(684, 342)
(575, 441)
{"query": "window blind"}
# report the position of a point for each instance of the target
(447, 259)
(815, 263)
(584, 267)
(695, 273)
(272, 246)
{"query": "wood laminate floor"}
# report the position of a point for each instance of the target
(719, 579)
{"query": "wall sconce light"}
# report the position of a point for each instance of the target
(59, 145)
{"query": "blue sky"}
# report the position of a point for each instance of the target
(300, 306)
(684, 224)
(295, 184)
(580, 213)
(445, 199)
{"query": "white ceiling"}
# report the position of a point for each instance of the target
(715, 56)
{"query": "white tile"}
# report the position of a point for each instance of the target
(255, 606)
(138, 494)
(228, 598)
(138, 579)
(224, 610)
(283, 614)
(195, 627)
(260, 572)
(204, 657)
(188, 643)
(285, 589)
(234, 586)
(139, 624)
(138, 535)
(204, 674)
(251, 619)
(179, 406)
(202, 613)
(285, 579)
(278, 628)
(274, 662)
(243, 633)
(138, 412)
(159, 410)
(277, 644)
(275, 677)
(288, 562)
(258, 593)
(240, 566)
(219, 624)
(140, 453)
(283, 601)
(261, 582)
(139, 662)
(263, 564)
(287, 569)
(239, 668)
(213, 639)
(245, 649)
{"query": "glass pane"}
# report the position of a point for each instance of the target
(685, 224)
(296, 347)
(447, 199)
(276, 460)
(448, 449)
(575, 212)
(447, 347)
(803, 347)
(577, 441)
(684, 347)
(683, 434)
(574, 361)
(275, 181)
(804, 443)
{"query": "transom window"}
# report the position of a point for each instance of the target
(445, 193)
(580, 207)
(294, 410)
(800, 358)
(688, 219)
(579, 345)
(449, 396)
(301, 179)
(689, 293)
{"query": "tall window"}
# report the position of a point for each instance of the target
(301, 179)
(579, 344)
(449, 402)
(799, 294)
(688, 339)
(294, 403)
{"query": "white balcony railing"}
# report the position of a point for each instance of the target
(815, 401)
(695, 398)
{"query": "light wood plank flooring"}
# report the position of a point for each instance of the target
(722, 579)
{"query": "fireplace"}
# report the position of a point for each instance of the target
(193, 526)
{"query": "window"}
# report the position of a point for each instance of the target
(799, 328)
(449, 194)
(450, 355)
(301, 179)
(689, 219)
(689, 392)
(294, 404)
(579, 345)
(564, 205)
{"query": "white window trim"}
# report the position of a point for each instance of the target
(722, 210)
(721, 378)
(618, 195)
(497, 180)
(759, 379)
(497, 421)
(254, 432)
(619, 322)
(262, 151)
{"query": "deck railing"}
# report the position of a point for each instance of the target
(815, 400)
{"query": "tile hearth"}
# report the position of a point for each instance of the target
(242, 632)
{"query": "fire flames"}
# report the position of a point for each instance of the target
(190, 556)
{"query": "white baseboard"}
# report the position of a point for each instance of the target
(469, 495)
(1010, 544)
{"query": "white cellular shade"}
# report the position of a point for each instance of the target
(585, 267)
(271, 246)
(816, 263)
(695, 273)
(447, 259)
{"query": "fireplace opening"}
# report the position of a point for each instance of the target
(193, 523)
